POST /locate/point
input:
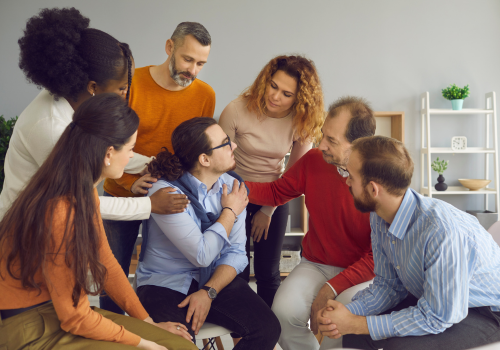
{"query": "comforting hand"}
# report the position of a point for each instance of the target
(336, 320)
(324, 294)
(149, 345)
(199, 306)
(142, 184)
(172, 328)
(237, 199)
(163, 202)
(260, 225)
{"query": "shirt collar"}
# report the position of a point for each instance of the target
(402, 219)
(202, 187)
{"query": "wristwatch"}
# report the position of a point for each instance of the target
(212, 293)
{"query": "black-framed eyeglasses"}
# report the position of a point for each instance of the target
(343, 172)
(224, 144)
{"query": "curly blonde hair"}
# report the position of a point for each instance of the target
(309, 108)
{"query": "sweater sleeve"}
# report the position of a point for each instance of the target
(137, 163)
(82, 320)
(125, 208)
(291, 185)
(126, 181)
(359, 272)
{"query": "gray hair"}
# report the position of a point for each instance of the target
(191, 28)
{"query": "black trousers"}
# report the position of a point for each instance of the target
(236, 307)
(267, 252)
(480, 327)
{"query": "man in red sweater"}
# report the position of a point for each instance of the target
(337, 257)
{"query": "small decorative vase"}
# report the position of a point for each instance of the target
(441, 186)
(456, 105)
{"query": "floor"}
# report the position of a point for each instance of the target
(227, 341)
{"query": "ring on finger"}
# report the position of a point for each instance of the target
(178, 327)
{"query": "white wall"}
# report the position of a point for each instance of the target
(389, 51)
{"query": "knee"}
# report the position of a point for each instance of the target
(270, 329)
(287, 312)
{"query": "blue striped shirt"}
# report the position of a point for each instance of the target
(438, 253)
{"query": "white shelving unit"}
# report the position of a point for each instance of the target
(489, 113)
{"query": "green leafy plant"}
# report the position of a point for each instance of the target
(439, 166)
(453, 92)
(6, 130)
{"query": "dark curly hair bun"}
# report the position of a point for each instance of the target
(166, 165)
(60, 53)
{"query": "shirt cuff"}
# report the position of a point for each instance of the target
(219, 230)
(380, 327)
(357, 308)
(267, 210)
(333, 289)
(235, 260)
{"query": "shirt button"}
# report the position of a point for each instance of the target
(393, 242)
(397, 267)
(407, 288)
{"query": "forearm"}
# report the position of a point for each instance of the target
(137, 163)
(125, 208)
(359, 272)
(227, 219)
(223, 275)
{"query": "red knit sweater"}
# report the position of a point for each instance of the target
(339, 235)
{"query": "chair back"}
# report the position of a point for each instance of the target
(494, 230)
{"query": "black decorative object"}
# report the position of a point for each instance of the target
(441, 186)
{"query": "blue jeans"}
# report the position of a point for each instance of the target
(122, 236)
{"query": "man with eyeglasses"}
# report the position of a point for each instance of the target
(337, 258)
(189, 261)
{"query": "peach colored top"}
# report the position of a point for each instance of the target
(57, 285)
(262, 141)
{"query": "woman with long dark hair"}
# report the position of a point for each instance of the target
(72, 63)
(281, 112)
(52, 237)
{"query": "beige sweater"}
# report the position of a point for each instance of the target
(262, 142)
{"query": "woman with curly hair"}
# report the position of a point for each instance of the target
(281, 112)
(72, 63)
(52, 238)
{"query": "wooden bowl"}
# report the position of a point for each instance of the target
(474, 184)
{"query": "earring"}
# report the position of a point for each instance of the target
(93, 94)
(109, 164)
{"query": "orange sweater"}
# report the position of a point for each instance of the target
(160, 112)
(58, 282)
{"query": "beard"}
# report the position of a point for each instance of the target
(364, 204)
(176, 75)
(223, 170)
(330, 159)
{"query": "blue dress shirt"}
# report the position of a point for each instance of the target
(438, 253)
(177, 248)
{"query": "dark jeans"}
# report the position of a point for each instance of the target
(480, 327)
(267, 252)
(122, 236)
(236, 307)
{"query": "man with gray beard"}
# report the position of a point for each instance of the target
(163, 96)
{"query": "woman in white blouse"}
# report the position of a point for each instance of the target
(72, 63)
(281, 112)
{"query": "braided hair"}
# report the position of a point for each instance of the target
(60, 53)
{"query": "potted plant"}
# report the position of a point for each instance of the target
(439, 167)
(6, 129)
(456, 95)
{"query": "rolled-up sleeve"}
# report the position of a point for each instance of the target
(234, 253)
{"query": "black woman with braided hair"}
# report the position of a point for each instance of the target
(71, 62)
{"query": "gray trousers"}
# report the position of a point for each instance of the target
(480, 327)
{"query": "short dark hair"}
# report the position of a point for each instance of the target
(189, 140)
(385, 161)
(62, 54)
(195, 29)
(362, 123)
